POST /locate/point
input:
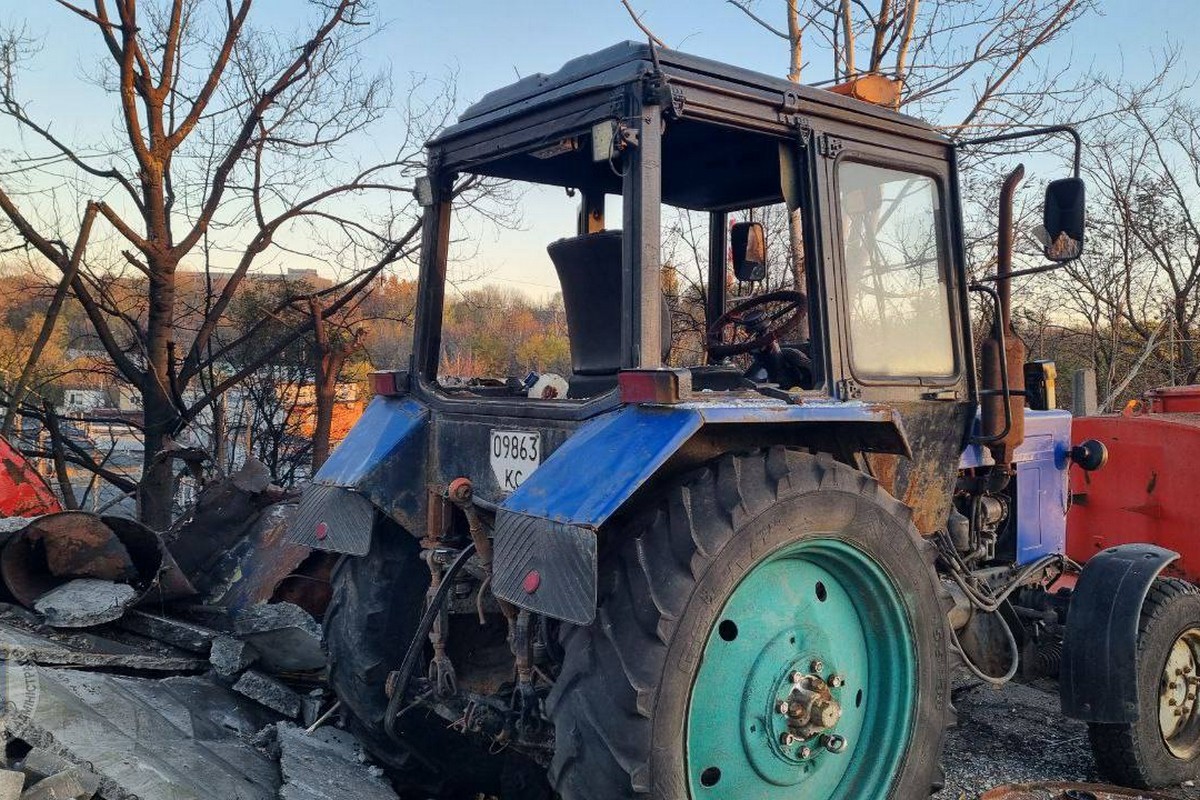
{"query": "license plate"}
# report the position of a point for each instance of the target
(514, 456)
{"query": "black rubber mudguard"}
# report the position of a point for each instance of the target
(1098, 680)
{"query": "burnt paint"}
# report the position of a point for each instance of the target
(925, 482)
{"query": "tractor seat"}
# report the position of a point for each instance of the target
(589, 272)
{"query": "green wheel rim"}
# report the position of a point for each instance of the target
(819, 617)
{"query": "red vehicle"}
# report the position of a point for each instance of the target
(1150, 492)
(23, 491)
(1147, 492)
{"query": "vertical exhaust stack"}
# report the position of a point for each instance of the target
(1012, 347)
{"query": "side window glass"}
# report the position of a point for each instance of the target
(894, 258)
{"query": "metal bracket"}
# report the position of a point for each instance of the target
(830, 146)
(848, 389)
(801, 124)
(658, 91)
(678, 101)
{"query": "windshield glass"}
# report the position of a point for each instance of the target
(895, 273)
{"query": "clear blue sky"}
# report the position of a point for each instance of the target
(488, 44)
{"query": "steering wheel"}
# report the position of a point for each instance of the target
(760, 324)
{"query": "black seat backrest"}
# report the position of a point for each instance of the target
(589, 271)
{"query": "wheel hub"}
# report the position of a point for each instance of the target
(810, 707)
(1178, 705)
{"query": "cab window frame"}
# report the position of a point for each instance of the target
(936, 172)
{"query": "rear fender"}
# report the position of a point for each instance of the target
(1098, 681)
(379, 465)
(546, 531)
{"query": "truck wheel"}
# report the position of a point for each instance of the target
(1162, 747)
(377, 602)
(772, 628)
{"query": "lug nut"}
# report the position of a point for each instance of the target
(783, 707)
(797, 677)
(837, 681)
(805, 752)
(817, 666)
(787, 739)
(833, 743)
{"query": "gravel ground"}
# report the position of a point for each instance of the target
(1017, 735)
(1012, 735)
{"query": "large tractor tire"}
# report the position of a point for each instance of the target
(376, 606)
(771, 628)
(1162, 748)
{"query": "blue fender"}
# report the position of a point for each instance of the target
(1098, 679)
(546, 531)
(380, 464)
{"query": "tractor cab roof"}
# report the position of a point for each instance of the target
(537, 129)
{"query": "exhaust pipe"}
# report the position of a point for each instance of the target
(1006, 345)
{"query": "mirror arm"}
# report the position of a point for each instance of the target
(1005, 137)
(1023, 272)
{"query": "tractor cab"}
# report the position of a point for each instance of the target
(742, 232)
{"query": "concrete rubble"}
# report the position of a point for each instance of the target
(266, 691)
(326, 765)
(286, 636)
(85, 602)
(11, 784)
(230, 655)
(182, 681)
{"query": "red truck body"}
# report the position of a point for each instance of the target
(1149, 491)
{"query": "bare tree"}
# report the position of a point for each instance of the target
(332, 345)
(1136, 293)
(971, 60)
(231, 141)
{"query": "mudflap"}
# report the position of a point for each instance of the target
(1098, 680)
(333, 518)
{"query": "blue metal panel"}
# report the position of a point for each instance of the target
(548, 525)
(586, 479)
(1042, 490)
(591, 475)
(384, 458)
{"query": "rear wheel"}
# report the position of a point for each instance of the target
(377, 602)
(773, 628)
(1162, 747)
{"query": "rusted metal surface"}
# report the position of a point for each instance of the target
(113, 543)
(1068, 791)
(78, 545)
(263, 566)
(925, 482)
(23, 492)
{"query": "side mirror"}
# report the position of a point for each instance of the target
(749, 244)
(1064, 217)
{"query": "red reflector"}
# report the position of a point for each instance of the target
(532, 581)
(654, 385)
(322, 531)
(390, 383)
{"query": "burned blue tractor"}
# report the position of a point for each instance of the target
(743, 570)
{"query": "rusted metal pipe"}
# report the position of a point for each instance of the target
(76, 544)
(1004, 245)
(461, 493)
(1013, 348)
